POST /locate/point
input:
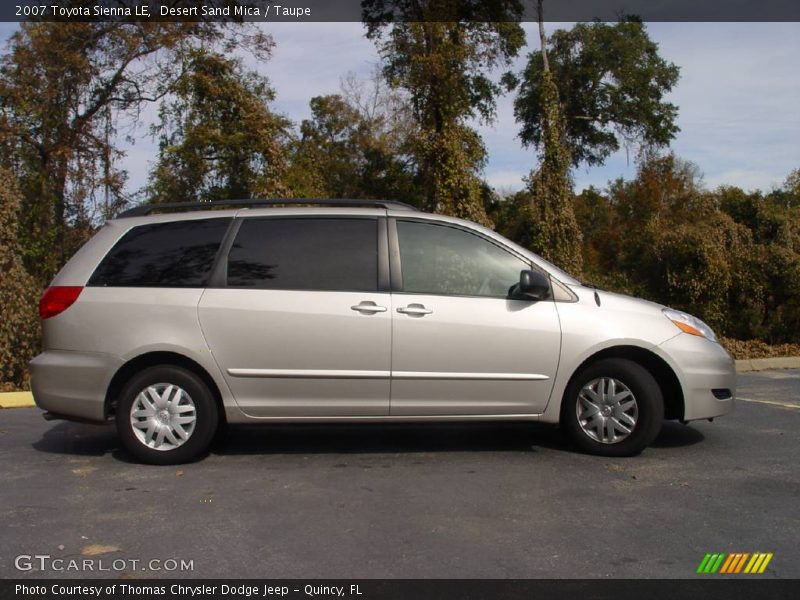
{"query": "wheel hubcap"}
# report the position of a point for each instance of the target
(163, 416)
(607, 410)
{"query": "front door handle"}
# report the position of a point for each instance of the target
(415, 309)
(368, 306)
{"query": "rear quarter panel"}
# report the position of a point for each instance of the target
(130, 322)
(126, 322)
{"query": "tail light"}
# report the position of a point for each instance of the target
(58, 298)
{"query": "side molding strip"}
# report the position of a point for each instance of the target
(309, 374)
(345, 374)
(470, 376)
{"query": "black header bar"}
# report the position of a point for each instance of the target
(393, 10)
(706, 587)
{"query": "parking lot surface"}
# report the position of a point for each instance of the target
(466, 501)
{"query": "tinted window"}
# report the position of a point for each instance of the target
(177, 254)
(437, 259)
(305, 254)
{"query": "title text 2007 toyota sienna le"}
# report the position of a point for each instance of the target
(339, 311)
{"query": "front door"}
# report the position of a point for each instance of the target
(459, 345)
(299, 327)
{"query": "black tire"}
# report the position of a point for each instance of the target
(649, 404)
(205, 411)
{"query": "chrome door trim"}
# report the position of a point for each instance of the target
(309, 374)
(475, 376)
(352, 374)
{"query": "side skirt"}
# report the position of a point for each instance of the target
(234, 415)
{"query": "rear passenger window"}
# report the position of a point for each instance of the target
(305, 254)
(175, 254)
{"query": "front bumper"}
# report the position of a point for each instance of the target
(73, 384)
(701, 366)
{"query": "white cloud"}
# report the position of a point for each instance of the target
(311, 58)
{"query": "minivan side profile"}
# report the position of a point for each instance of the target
(283, 311)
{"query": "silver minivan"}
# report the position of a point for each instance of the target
(171, 323)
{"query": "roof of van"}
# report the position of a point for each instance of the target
(147, 209)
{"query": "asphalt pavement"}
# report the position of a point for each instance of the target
(427, 501)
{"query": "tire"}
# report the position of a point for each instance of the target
(597, 421)
(175, 412)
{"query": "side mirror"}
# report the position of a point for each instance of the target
(533, 285)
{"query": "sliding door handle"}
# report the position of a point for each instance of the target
(415, 310)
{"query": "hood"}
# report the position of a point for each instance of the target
(617, 301)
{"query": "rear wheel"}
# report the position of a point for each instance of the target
(166, 415)
(613, 407)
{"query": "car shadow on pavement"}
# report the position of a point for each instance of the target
(417, 437)
(386, 438)
(79, 439)
(96, 440)
(675, 435)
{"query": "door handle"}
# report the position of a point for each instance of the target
(368, 306)
(415, 310)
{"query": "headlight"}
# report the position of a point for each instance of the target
(689, 324)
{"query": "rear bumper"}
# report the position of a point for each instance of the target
(73, 384)
(701, 366)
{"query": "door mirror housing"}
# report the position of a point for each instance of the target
(533, 285)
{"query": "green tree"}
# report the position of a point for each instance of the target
(665, 238)
(546, 222)
(611, 85)
(792, 186)
(357, 144)
(595, 217)
(441, 54)
(65, 90)
(766, 304)
(19, 322)
(731, 257)
(218, 139)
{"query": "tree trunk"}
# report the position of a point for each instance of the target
(542, 36)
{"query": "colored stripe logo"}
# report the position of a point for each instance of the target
(735, 562)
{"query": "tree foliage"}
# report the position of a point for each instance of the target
(19, 321)
(65, 90)
(612, 85)
(729, 256)
(357, 144)
(442, 60)
(218, 138)
(546, 221)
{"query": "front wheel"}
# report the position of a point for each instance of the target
(613, 407)
(166, 415)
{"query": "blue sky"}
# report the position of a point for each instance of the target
(738, 99)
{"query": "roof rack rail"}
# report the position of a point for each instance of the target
(146, 209)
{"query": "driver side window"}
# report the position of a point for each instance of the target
(442, 260)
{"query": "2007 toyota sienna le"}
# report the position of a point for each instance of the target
(354, 311)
